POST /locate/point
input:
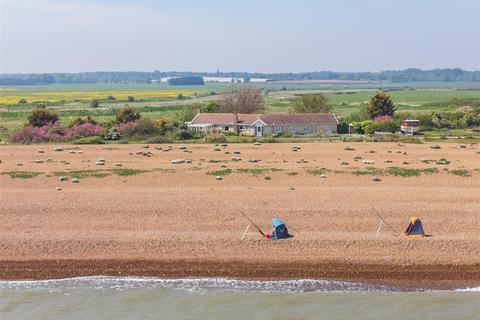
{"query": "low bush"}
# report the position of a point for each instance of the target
(142, 127)
(41, 117)
(90, 140)
(159, 140)
(182, 135)
(54, 132)
(113, 134)
(127, 114)
(215, 137)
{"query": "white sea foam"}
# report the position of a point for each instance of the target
(477, 289)
(193, 284)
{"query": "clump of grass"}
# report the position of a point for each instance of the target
(317, 171)
(430, 170)
(407, 172)
(128, 172)
(163, 170)
(403, 172)
(367, 171)
(257, 171)
(460, 172)
(222, 172)
(83, 173)
(21, 174)
(292, 173)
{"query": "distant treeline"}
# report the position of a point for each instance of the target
(408, 75)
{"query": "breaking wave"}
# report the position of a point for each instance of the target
(477, 289)
(194, 284)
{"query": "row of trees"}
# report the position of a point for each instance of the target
(407, 75)
(250, 100)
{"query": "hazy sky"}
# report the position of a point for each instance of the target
(238, 35)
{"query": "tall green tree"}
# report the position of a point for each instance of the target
(312, 103)
(380, 104)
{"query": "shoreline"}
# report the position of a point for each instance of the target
(405, 278)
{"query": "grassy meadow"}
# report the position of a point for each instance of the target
(163, 101)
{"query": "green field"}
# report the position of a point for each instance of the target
(162, 101)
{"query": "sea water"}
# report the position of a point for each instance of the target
(153, 298)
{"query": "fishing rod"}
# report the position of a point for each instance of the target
(385, 222)
(253, 223)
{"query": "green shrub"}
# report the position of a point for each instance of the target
(317, 172)
(127, 114)
(342, 128)
(183, 135)
(222, 172)
(215, 137)
(128, 172)
(41, 117)
(113, 134)
(381, 126)
(142, 127)
(460, 172)
(21, 174)
(94, 103)
(79, 121)
(160, 140)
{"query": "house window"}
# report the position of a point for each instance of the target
(242, 128)
(292, 129)
(226, 128)
(308, 128)
(278, 129)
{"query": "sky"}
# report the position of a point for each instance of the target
(238, 35)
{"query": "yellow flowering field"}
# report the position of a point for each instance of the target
(13, 96)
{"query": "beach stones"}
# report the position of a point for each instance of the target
(177, 161)
(235, 159)
(75, 180)
(376, 179)
(349, 149)
(435, 146)
(368, 162)
(58, 149)
(218, 178)
(100, 162)
(63, 178)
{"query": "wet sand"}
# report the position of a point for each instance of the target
(175, 220)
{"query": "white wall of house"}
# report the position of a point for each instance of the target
(247, 130)
(326, 128)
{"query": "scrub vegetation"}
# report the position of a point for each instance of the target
(67, 113)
